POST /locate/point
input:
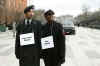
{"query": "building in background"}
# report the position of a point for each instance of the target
(64, 19)
(11, 10)
(30, 2)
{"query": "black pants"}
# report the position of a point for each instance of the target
(50, 61)
(29, 61)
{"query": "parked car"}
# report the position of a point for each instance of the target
(69, 28)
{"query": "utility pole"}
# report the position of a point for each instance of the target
(29, 2)
(14, 21)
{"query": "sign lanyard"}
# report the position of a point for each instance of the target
(51, 27)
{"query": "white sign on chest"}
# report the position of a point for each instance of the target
(26, 39)
(47, 42)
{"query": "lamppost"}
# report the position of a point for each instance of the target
(6, 11)
(1, 10)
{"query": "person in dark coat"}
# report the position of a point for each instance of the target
(54, 55)
(27, 45)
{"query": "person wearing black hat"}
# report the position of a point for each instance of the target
(52, 41)
(28, 35)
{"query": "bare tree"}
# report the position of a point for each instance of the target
(39, 15)
(85, 9)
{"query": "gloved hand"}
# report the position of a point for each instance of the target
(62, 60)
(17, 57)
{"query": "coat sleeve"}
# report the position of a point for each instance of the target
(17, 42)
(39, 33)
(61, 42)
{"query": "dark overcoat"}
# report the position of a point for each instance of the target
(56, 54)
(32, 49)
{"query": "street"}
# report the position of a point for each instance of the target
(82, 49)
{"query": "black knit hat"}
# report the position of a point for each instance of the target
(27, 9)
(49, 12)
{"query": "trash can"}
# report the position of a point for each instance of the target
(2, 28)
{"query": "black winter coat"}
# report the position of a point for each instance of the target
(32, 49)
(58, 52)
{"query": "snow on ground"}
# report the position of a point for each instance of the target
(82, 49)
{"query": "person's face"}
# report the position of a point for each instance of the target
(29, 14)
(49, 17)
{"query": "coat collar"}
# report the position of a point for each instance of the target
(26, 20)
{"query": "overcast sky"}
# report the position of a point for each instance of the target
(63, 7)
